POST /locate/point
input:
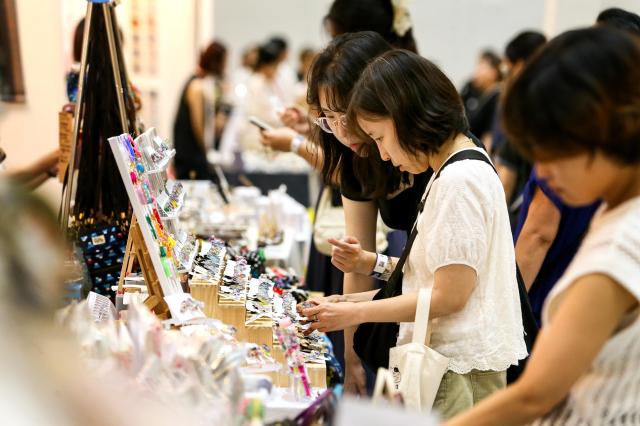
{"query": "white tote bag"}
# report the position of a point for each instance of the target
(418, 369)
(384, 387)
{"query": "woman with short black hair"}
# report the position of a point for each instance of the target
(575, 110)
(462, 251)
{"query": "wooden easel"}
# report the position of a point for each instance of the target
(137, 249)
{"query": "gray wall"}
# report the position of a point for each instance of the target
(449, 32)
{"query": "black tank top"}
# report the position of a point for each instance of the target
(190, 161)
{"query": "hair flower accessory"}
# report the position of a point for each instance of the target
(401, 17)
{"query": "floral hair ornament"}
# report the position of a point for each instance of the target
(401, 17)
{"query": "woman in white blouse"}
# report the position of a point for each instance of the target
(585, 365)
(463, 249)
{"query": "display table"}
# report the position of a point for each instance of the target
(292, 252)
(298, 184)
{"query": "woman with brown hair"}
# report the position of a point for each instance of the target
(194, 114)
(460, 246)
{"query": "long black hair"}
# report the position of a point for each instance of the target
(336, 71)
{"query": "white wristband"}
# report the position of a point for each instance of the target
(381, 265)
(296, 142)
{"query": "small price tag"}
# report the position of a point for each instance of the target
(98, 240)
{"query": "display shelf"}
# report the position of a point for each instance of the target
(168, 281)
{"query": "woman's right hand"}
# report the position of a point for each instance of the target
(348, 256)
(278, 139)
(297, 120)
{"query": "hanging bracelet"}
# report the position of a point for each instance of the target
(296, 142)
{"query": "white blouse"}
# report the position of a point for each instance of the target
(465, 221)
(609, 392)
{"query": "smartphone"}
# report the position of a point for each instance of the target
(259, 123)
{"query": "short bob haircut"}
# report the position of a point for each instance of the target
(423, 104)
(336, 70)
(581, 93)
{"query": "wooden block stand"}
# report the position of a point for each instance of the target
(260, 332)
(207, 293)
(137, 249)
(317, 372)
(232, 312)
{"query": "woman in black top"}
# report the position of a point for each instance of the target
(189, 128)
(336, 71)
(356, 171)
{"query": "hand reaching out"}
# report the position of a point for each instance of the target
(348, 256)
(278, 139)
(296, 119)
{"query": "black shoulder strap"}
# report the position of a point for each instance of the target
(394, 284)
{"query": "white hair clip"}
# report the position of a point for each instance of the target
(401, 17)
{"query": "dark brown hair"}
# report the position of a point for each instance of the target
(494, 61)
(336, 71)
(213, 59)
(410, 90)
(581, 93)
(350, 16)
(620, 19)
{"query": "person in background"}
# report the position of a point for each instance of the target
(35, 174)
(194, 126)
(549, 231)
(513, 169)
(620, 19)
(585, 366)
(265, 96)
(286, 76)
(306, 58)
(480, 95)
(241, 75)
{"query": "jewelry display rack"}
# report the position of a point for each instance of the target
(105, 7)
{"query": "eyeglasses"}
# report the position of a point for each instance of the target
(328, 125)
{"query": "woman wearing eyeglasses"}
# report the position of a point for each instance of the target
(368, 185)
(327, 148)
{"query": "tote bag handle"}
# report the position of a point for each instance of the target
(421, 324)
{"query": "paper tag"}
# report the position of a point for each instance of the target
(163, 200)
(98, 240)
(230, 269)
(183, 307)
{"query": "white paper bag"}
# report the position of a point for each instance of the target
(418, 369)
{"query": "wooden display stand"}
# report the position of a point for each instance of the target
(317, 372)
(232, 312)
(260, 332)
(137, 249)
(206, 292)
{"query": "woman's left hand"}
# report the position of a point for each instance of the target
(332, 316)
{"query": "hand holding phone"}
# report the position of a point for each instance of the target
(259, 123)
